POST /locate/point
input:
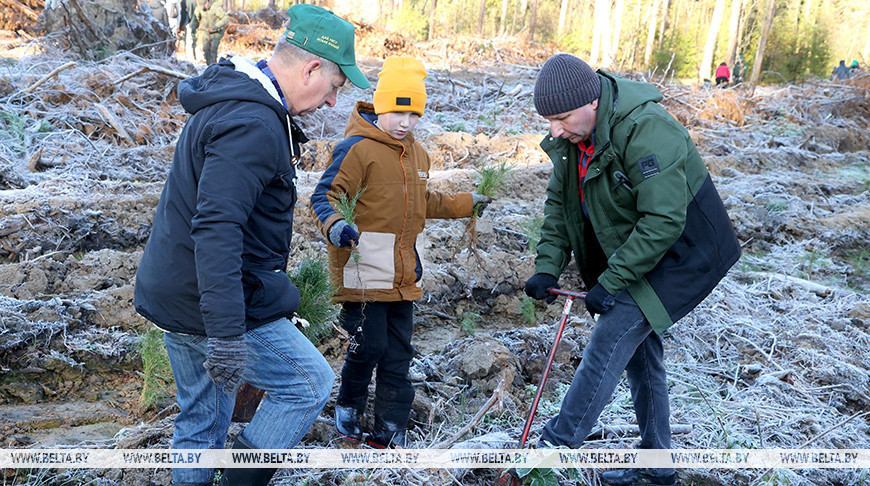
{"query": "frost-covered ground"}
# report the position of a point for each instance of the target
(776, 357)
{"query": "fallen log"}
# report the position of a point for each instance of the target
(153, 69)
(495, 398)
(24, 9)
(113, 120)
(48, 76)
(820, 290)
(632, 430)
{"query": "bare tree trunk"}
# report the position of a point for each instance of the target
(502, 21)
(432, 5)
(617, 29)
(664, 23)
(733, 26)
(651, 31)
(742, 27)
(762, 43)
(524, 7)
(710, 48)
(533, 20)
(635, 39)
(563, 16)
(866, 52)
(481, 13)
(601, 34)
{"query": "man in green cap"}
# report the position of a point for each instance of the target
(212, 275)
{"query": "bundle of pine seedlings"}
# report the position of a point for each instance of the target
(490, 177)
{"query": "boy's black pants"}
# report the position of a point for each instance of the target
(380, 337)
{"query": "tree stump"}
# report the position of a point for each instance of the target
(99, 28)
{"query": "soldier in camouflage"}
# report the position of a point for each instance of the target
(213, 22)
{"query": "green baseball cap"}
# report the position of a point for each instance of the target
(321, 32)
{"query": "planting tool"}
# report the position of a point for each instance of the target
(507, 478)
(566, 310)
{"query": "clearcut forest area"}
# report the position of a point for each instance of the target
(776, 357)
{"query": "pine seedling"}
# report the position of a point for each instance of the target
(527, 308)
(491, 178)
(156, 371)
(469, 322)
(311, 278)
(346, 208)
(531, 228)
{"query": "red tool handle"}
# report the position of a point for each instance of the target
(568, 293)
(565, 312)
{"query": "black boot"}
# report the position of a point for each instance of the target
(347, 421)
(387, 435)
(246, 477)
(634, 476)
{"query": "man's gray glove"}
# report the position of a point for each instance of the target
(343, 235)
(480, 202)
(225, 362)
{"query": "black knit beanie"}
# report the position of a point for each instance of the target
(564, 84)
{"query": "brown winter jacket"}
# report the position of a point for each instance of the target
(390, 213)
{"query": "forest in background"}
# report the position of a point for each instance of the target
(774, 358)
(686, 38)
(781, 41)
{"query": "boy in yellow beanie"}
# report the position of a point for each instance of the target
(380, 158)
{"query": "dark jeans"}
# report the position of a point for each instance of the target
(380, 337)
(622, 339)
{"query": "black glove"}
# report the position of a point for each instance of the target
(538, 287)
(343, 235)
(599, 300)
(226, 361)
(480, 202)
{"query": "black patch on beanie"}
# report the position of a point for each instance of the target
(403, 101)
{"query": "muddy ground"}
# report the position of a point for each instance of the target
(775, 357)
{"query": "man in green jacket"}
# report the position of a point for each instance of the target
(631, 199)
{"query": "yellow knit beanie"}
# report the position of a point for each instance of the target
(400, 86)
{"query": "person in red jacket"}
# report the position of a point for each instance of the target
(723, 74)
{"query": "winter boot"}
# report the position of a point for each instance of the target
(387, 435)
(347, 420)
(246, 477)
(634, 476)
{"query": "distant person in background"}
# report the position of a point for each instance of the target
(173, 11)
(158, 11)
(213, 20)
(854, 68)
(723, 74)
(841, 72)
(191, 25)
(739, 69)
